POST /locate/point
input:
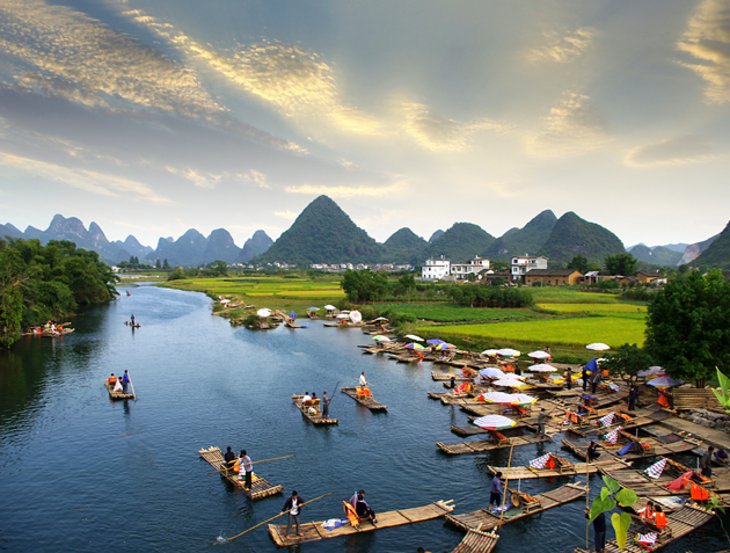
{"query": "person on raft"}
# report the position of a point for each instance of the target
(229, 457)
(294, 505)
(363, 381)
(112, 380)
(125, 381)
(362, 508)
(592, 452)
(245, 469)
(325, 405)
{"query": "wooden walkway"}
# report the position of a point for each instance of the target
(477, 541)
(479, 446)
(314, 531)
(260, 487)
(315, 418)
(368, 401)
(578, 469)
(487, 520)
(679, 523)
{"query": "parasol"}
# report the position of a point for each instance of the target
(541, 368)
(414, 337)
(381, 338)
(414, 346)
(664, 382)
(264, 312)
(355, 316)
(492, 372)
(494, 422)
(329, 307)
(508, 352)
(598, 346)
(539, 354)
(490, 352)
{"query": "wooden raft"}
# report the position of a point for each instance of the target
(477, 541)
(446, 375)
(668, 444)
(478, 446)
(679, 523)
(578, 469)
(314, 531)
(316, 418)
(117, 395)
(694, 398)
(260, 487)
(368, 401)
(487, 519)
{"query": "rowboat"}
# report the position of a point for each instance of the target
(311, 412)
(366, 400)
(519, 506)
(118, 395)
(315, 531)
(260, 487)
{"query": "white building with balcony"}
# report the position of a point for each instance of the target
(461, 271)
(436, 269)
(522, 264)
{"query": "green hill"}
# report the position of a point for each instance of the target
(527, 240)
(658, 255)
(573, 236)
(404, 246)
(460, 243)
(323, 233)
(718, 253)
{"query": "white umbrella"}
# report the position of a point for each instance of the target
(494, 422)
(664, 382)
(541, 368)
(510, 383)
(492, 372)
(523, 399)
(380, 319)
(508, 352)
(381, 338)
(497, 397)
(224, 301)
(330, 307)
(264, 312)
(539, 354)
(598, 346)
(652, 371)
(343, 316)
(490, 352)
(414, 337)
(355, 316)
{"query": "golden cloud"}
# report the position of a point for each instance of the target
(707, 41)
(562, 48)
(348, 191)
(571, 128)
(676, 151)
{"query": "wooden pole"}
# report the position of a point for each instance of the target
(277, 516)
(224, 469)
(588, 489)
(506, 482)
(134, 394)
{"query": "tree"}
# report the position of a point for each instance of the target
(579, 263)
(165, 265)
(688, 326)
(628, 360)
(620, 264)
(364, 286)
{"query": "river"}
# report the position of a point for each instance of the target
(81, 473)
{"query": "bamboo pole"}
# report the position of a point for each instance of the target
(223, 467)
(506, 482)
(277, 516)
(588, 489)
(134, 393)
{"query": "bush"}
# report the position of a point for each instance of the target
(489, 296)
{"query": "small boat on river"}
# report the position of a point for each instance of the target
(315, 531)
(362, 395)
(310, 411)
(260, 487)
(118, 395)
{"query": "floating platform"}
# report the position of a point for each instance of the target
(679, 523)
(444, 375)
(314, 531)
(578, 469)
(521, 505)
(477, 541)
(480, 446)
(314, 418)
(367, 401)
(666, 444)
(118, 395)
(260, 487)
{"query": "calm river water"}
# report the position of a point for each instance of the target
(80, 473)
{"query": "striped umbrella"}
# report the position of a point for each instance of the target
(443, 345)
(607, 420)
(381, 338)
(508, 352)
(507, 382)
(492, 372)
(612, 437)
(414, 346)
(541, 462)
(435, 341)
(494, 422)
(655, 470)
(490, 352)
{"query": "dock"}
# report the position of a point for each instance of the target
(314, 531)
(260, 487)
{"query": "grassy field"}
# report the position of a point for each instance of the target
(444, 312)
(627, 310)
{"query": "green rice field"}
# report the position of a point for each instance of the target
(634, 311)
(444, 312)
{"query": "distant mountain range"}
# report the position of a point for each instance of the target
(324, 233)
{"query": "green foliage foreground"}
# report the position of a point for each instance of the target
(38, 283)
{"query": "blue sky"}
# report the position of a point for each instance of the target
(152, 117)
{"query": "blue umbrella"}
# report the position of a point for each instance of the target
(313, 308)
(293, 315)
(435, 341)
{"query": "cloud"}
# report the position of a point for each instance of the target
(562, 48)
(69, 54)
(439, 134)
(361, 191)
(570, 129)
(102, 184)
(287, 215)
(676, 151)
(707, 42)
(208, 180)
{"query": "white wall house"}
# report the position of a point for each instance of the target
(461, 271)
(521, 264)
(436, 269)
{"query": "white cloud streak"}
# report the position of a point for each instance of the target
(676, 151)
(562, 48)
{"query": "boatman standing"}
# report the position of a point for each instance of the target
(125, 381)
(325, 404)
(247, 468)
(363, 381)
(294, 506)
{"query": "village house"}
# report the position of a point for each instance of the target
(443, 269)
(522, 264)
(552, 277)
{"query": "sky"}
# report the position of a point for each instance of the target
(153, 117)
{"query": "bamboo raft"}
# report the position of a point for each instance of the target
(521, 505)
(405, 358)
(479, 446)
(260, 487)
(679, 523)
(368, 401)
(477, 541)
(668, 444)
(640, 418)
(316, 418)
(577, 469)
(314, 531)
(118, 395)
(474, 430)
(644, 486)
(443, 375)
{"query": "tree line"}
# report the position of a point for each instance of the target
(38, 283)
